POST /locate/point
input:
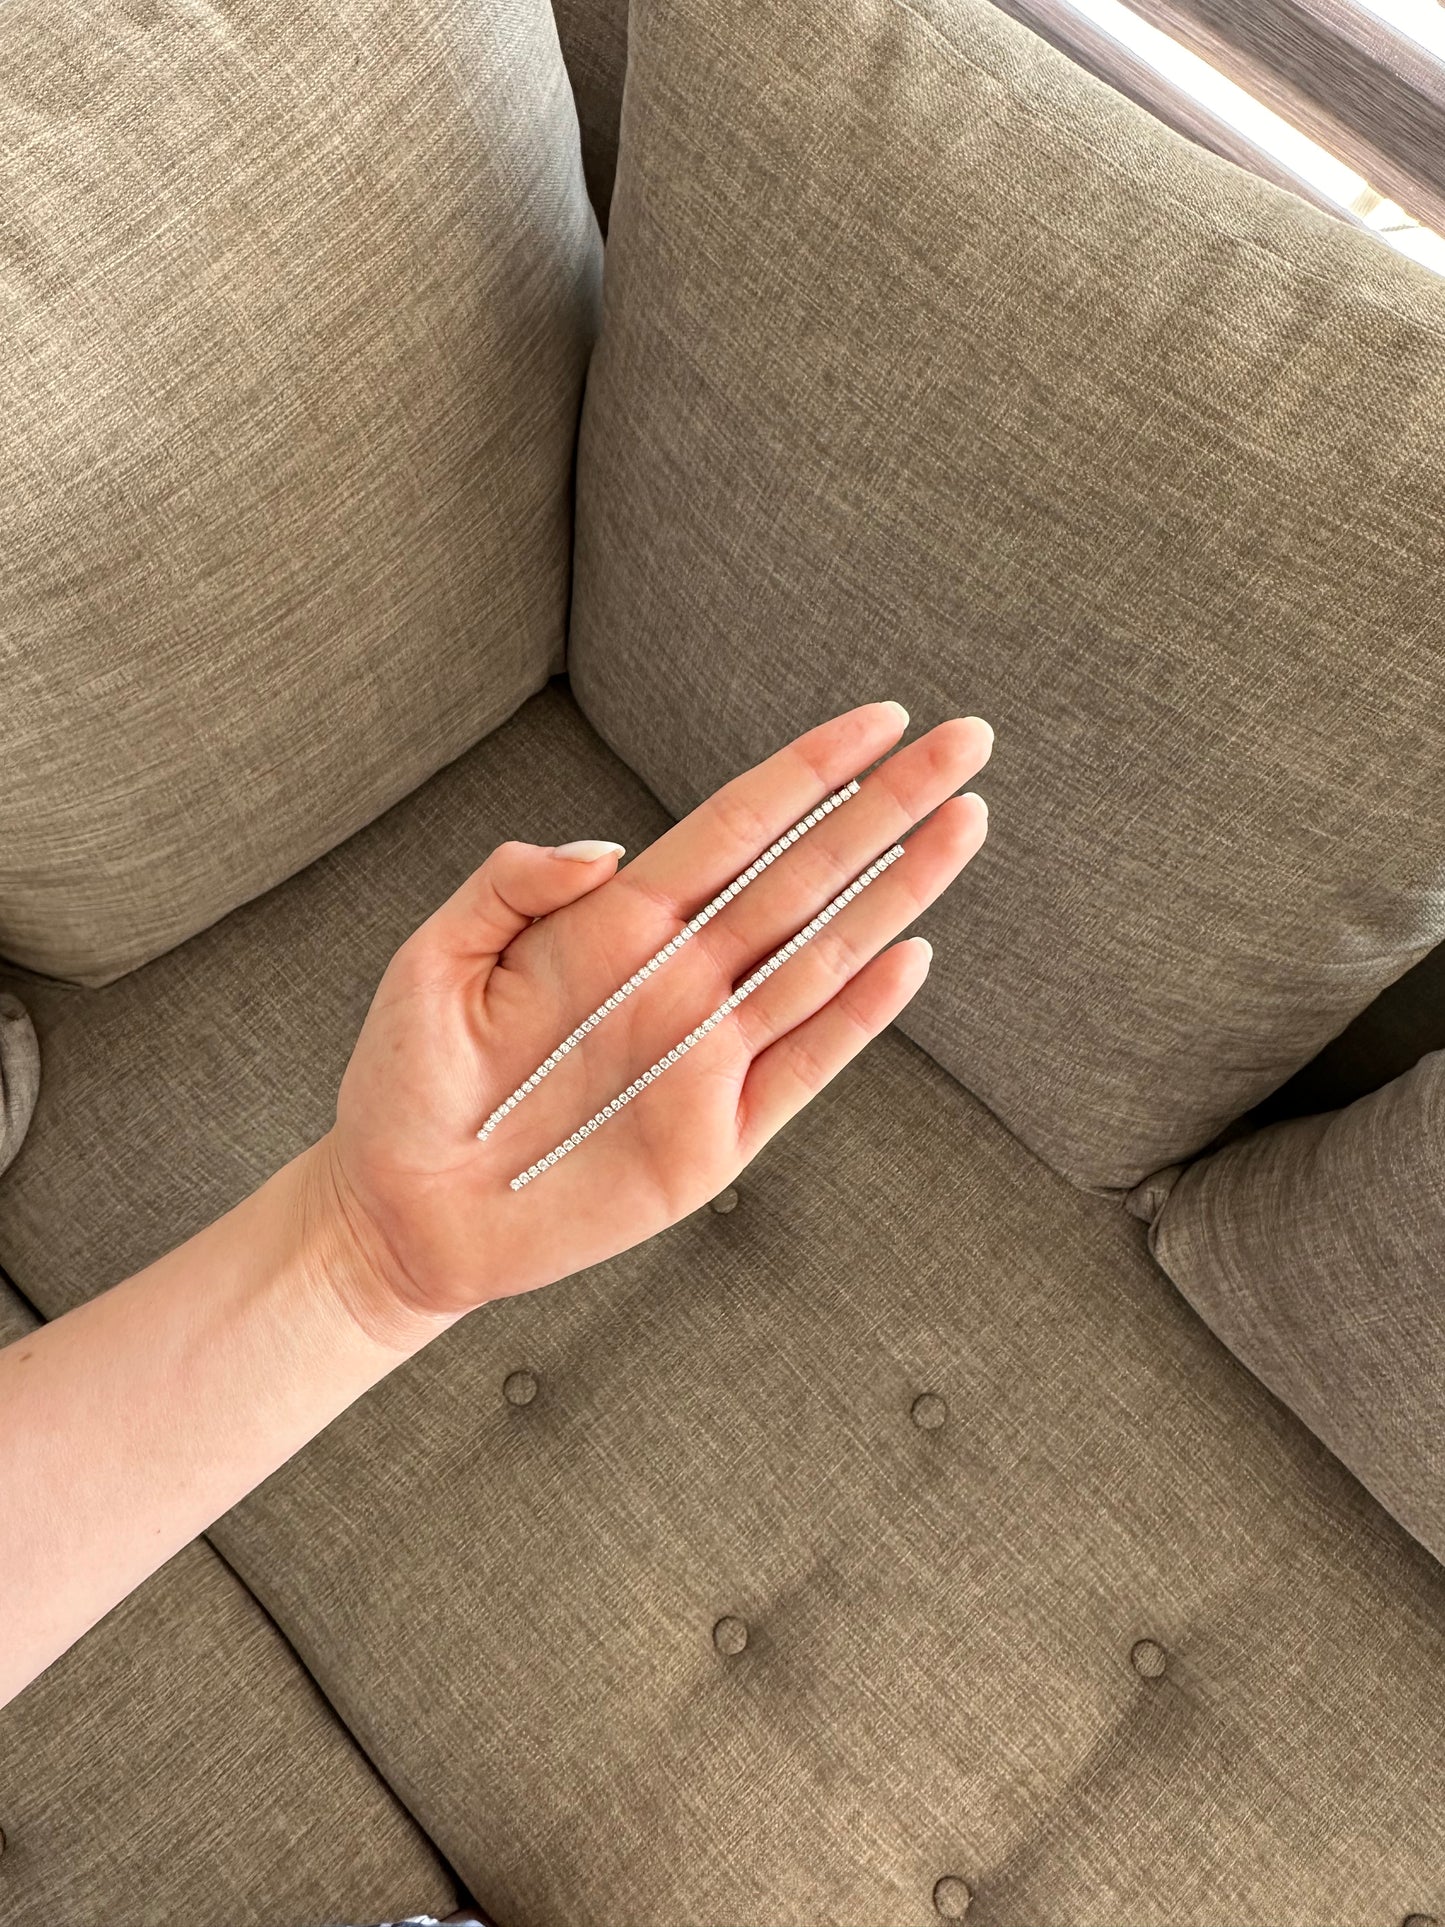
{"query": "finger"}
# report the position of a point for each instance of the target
(709, 847)
(792, 1071)
(932, 858)
(518, 881)
(913, 782)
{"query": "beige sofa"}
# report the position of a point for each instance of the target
(1021, 1495)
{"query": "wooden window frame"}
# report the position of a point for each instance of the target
(1353, 83)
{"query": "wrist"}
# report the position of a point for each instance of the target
(347, 1262)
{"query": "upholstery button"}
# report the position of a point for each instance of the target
(929, 1411)
(952, 1896)
(725, 1200)
(730, 1635)
(1148, 1658)
(519, 1388)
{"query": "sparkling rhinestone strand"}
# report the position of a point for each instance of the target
(710, 1023)
(669, 949)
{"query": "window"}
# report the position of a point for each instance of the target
(1342, 102)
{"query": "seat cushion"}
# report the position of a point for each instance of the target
(1316, 1250)
(178, 1764)
(297, 304)
(933, 368)
(891, 1522)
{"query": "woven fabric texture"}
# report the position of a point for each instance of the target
(297, 304)
(1316, 1250)
(894, 1529)
(1404, 1023)
(932, 368)
(178, 1764)
(19, 1075)
(593, 34)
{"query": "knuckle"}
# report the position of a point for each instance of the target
(838, 953)
(806, 1065)
(853, 1013)
(737, 817)
(813, 765)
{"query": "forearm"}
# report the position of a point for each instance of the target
(130, 1424)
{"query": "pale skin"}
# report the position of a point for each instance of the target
(130, 1424)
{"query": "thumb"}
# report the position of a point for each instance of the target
(520, 881)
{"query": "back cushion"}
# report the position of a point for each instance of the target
(297, 302)
(933, 368)
(594, 44)
(1403, 1024)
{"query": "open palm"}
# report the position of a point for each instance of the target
(488, 987)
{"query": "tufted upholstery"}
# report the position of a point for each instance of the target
(888, 1543)
(179, 1764)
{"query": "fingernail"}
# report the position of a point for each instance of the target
(587, 851)
(899, 711)
(981, 801)
(982, 725)
(926, 947)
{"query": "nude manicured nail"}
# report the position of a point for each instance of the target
(902, 712)
(926, 947)
(587, 851)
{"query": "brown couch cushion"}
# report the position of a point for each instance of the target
(1404, 1023)
(178, 1764)
(298, 299)
(594, 44)
(19, 1075)
(897, 1524)
(933, 368)
(1316, 1250)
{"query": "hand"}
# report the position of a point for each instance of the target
(535, 939)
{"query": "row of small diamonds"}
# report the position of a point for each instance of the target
(669, 949)
(724, 1009)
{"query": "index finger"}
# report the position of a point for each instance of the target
(707, 849)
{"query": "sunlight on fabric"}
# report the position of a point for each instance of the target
(1305, 158)
(1422, 20)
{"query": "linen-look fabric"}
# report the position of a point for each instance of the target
(1316, 1250)
(1403, 1024)
(19, 1075)
(297, 303)
(593, 34)
(178, 1764)
(933, 368)
(892, 1530)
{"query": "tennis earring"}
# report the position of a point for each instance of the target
(669, 949)
(710, 1023)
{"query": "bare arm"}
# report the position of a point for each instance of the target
(130, 1424)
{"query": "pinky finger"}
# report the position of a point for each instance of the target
(794, 1068)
